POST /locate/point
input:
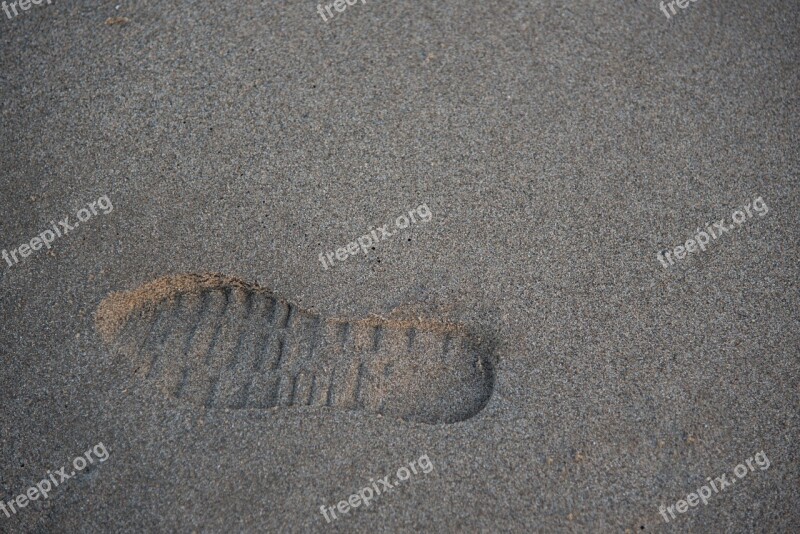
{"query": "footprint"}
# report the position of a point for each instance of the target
(222, 343)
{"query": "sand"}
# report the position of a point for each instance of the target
(559, 148)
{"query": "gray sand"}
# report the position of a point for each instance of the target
(559, 146)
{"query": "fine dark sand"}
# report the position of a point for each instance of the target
(559, 147)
